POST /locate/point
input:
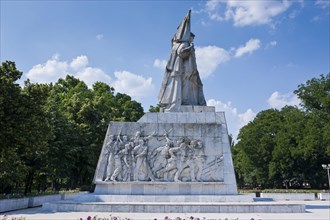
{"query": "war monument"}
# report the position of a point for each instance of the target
(175, 160)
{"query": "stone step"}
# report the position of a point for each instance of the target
(166, 198)
(174, 207)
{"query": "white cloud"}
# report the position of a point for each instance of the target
(271, 44)
(208, 59)
(50, 71)
(324, 4)
(249, 47)
(278, 100)
(53, 69)
(212, 10)
(99, 36)
(161, 64)
(235, 120)
(132, 84)
(91, 75)
(79, 62)
(244, 13)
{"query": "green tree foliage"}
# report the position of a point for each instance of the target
(285, 148)
(53, 134)
(11, 114)
(154, 108)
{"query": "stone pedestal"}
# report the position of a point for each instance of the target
(201, 123)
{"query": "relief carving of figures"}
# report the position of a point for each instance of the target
(175, 160)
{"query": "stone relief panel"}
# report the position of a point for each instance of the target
(159, 153)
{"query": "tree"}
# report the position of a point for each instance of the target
(11, 168)
(37, 131)
(154, 108)
(24, 130)
(286, 148)
(315, 94)
(54, 133)
(253, 152)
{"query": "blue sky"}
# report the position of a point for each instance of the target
(251, 55)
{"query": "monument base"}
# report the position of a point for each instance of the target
(164, 188)
(172, 204)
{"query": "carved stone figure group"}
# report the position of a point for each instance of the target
(132, 159)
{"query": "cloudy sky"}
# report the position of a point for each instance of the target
(251, 55)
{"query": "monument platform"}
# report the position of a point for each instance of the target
(172, 204)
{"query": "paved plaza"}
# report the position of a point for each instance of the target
(315, 210)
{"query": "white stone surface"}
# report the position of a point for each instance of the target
(288, 196)
(324, 196)
(13, 204)
(39, 200)
(177, 207)
(165, 198)
(22, 203)
(208, 116)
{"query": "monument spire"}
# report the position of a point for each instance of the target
(183, 31)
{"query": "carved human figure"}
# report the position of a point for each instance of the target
(138, 137)
(161, 155)
(182, 161)
(118, 164)
(140, 153)
(199, 159)
(127, 159)
(190, 159)
(181, 83)
(172, 161)
(111, 153)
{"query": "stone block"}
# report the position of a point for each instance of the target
(184, 189)
(173, 208)
(209, 209)
(137, 189)
(156, 208)
(324, 196)
(160, 189)
(208, 189)
(149, 189)
(138, 208)
(120, 208)
(13, 204)
(224, 209)
(220, 118)
(191, 209)
(210, 117)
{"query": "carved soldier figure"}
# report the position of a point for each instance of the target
(199, 159)
(127, 161)
(161, 155)
(182, 161)
(118, 164)
(190, 159)
(173, 161)
(111, 152)
(141, 163)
